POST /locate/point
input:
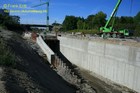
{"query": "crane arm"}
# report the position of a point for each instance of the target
(41, 4)
(113, 12)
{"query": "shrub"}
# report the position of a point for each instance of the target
(7, 58)
(137, 30)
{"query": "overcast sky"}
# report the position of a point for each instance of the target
(60, 8)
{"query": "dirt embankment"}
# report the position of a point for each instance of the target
(31, 74)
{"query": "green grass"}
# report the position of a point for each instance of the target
(7, 57)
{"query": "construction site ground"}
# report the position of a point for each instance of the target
(33, 74)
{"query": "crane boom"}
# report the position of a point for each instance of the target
(113, 13)
(41, 4)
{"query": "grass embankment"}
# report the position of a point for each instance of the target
(7, 57)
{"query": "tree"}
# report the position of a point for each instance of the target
(90, 22)
(137, 18)
(124, 22)
(137, 23)
(56, 24)
(80, 23)
(8, 22)
(70, 23)
(100, 19)
(137, 30)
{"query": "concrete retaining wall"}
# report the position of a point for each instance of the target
(49, 53)
(118, 63)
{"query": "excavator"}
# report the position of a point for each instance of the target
(108, 31)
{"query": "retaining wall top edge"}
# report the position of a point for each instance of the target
(122, 42)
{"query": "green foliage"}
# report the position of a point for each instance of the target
(70, 23)
(99, 20)
(91, 22)
(124, 22)
(137, 30)
(137, 22)
(80, 23)
(137, 18)
(125, 19)
(7, 58)
(7, 22)
(56, 24)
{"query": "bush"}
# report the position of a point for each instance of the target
(7, 58)
(137, 30)
(7, 22)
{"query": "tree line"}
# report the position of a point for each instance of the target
(94, 22)
(7, 22)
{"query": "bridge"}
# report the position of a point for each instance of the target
(36, 25)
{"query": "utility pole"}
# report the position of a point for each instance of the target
(47, 26)
(47, 15)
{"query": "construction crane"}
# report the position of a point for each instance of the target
(47, 16)
(107, 31)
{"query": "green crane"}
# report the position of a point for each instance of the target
(47, 16)
(107, 31)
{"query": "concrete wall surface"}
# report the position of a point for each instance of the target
(118, 63)
(49, 53)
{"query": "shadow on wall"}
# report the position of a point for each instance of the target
(54, 44)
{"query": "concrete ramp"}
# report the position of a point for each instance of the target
(45, 48)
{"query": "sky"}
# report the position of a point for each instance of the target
(58, 9)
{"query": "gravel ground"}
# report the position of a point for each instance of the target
(2, 87)
(103, 86)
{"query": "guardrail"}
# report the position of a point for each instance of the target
(45, 48)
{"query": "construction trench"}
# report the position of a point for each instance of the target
(66, 70)
(76, 75)
(35, 72)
